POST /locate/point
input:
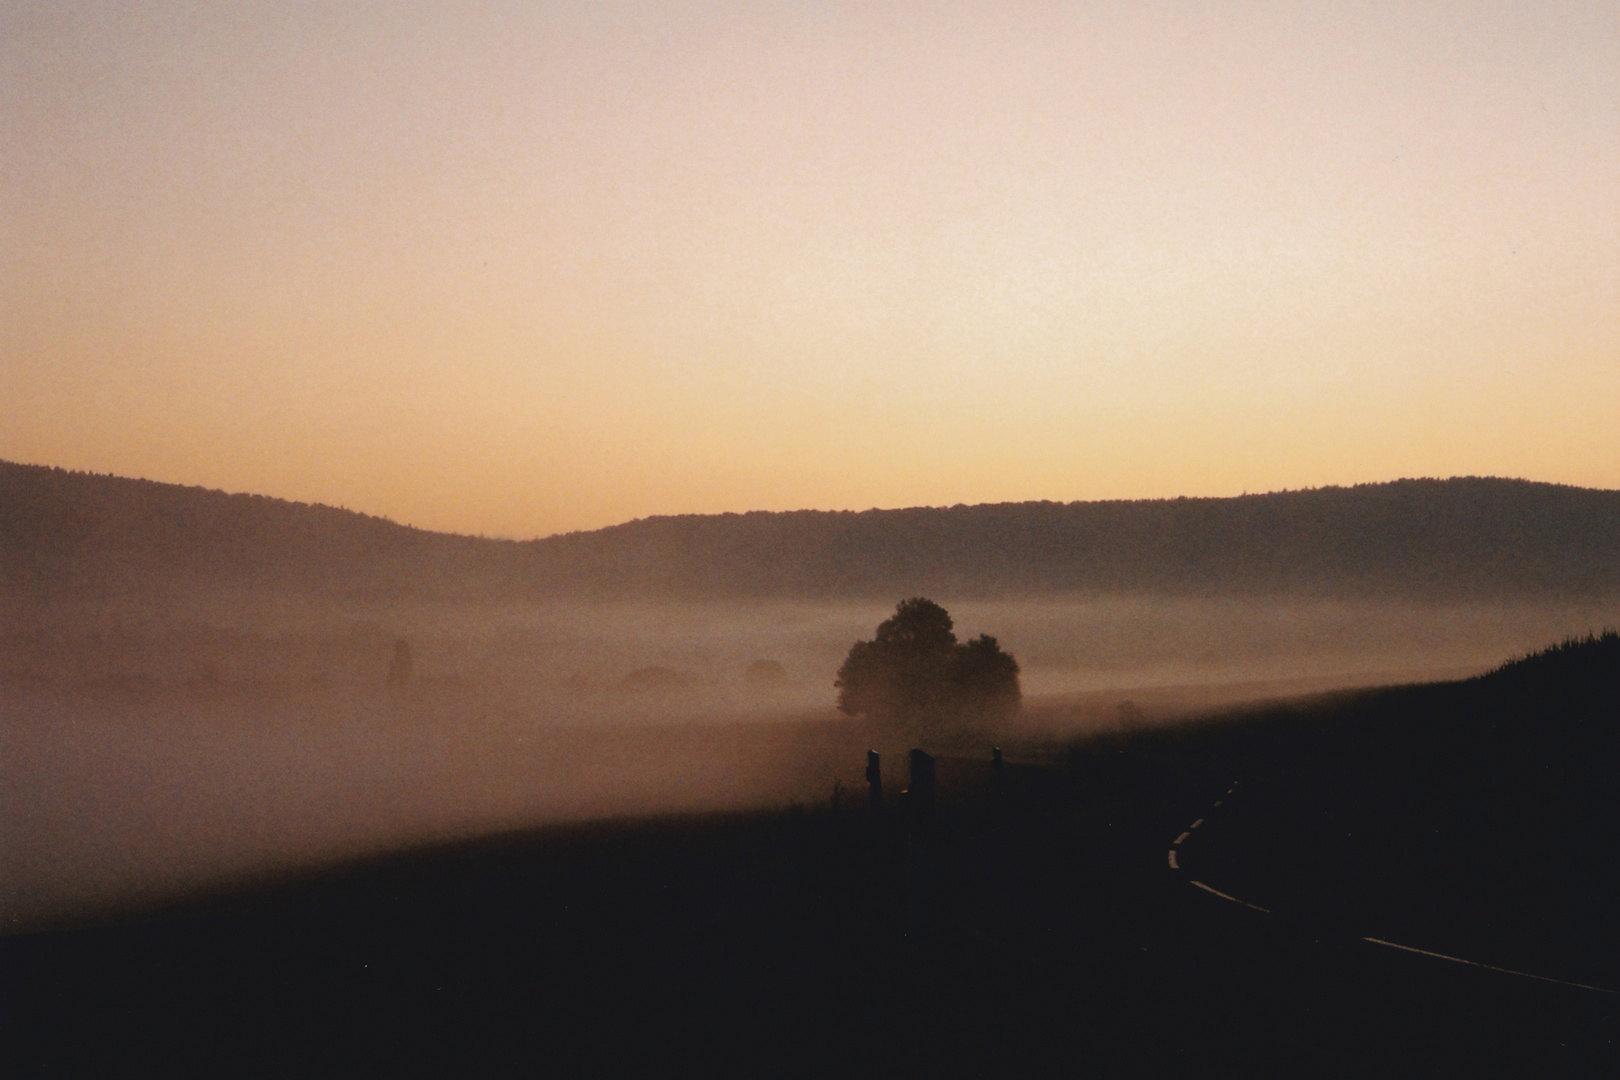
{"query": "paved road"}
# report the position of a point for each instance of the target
(1486, 945)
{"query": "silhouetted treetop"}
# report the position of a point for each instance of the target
(914, 677)
(919, 626)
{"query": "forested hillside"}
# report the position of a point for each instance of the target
(1461, 539)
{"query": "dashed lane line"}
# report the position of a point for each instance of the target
(1178, 841)
(1381, 941)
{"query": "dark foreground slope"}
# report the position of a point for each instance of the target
(1034, 932)
(1474, 819)
(1468, 539)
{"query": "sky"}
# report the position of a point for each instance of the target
(523, 268)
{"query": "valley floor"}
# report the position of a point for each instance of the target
(1036, 931)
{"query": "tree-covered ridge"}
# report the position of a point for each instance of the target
(1589, 664)
(99, 534)
(1458, 539)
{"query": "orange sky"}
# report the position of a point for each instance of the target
(521, 268)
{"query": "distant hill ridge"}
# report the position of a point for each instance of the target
(1460, 539)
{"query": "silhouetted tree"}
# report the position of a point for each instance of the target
(399, 669)
(915, 677)
(984, 682)
(766, 673)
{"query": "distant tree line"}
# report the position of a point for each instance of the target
(1454, 540)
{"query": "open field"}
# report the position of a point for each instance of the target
(152, 760)
(1041, 926)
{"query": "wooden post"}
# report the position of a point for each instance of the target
(874, 778)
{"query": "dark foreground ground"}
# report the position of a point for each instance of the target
(1039, 931)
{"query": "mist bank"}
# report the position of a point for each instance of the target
(148, 753)
(1459, 540)
(116, 802)
(640, 661)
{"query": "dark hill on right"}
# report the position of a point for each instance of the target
(1471, 819)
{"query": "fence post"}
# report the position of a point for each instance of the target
(874, 778)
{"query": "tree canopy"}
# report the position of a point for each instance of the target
(914, 676)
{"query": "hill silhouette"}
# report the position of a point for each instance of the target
(1462, 539)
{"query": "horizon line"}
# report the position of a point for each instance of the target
(801, 510)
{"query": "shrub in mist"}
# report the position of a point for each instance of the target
(655, 679)
(766, 673)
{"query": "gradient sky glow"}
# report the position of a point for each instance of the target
(518, 268)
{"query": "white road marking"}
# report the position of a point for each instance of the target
(1218, 802)
(1234, 899)
(1381, 941)
(1488, 967)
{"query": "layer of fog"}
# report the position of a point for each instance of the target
(144, 754)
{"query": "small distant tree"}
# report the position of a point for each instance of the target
(399, 669)
(766, 673)
(656, 680)
(915, 677)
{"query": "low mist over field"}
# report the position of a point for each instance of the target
(167, 733)
(581, 660)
